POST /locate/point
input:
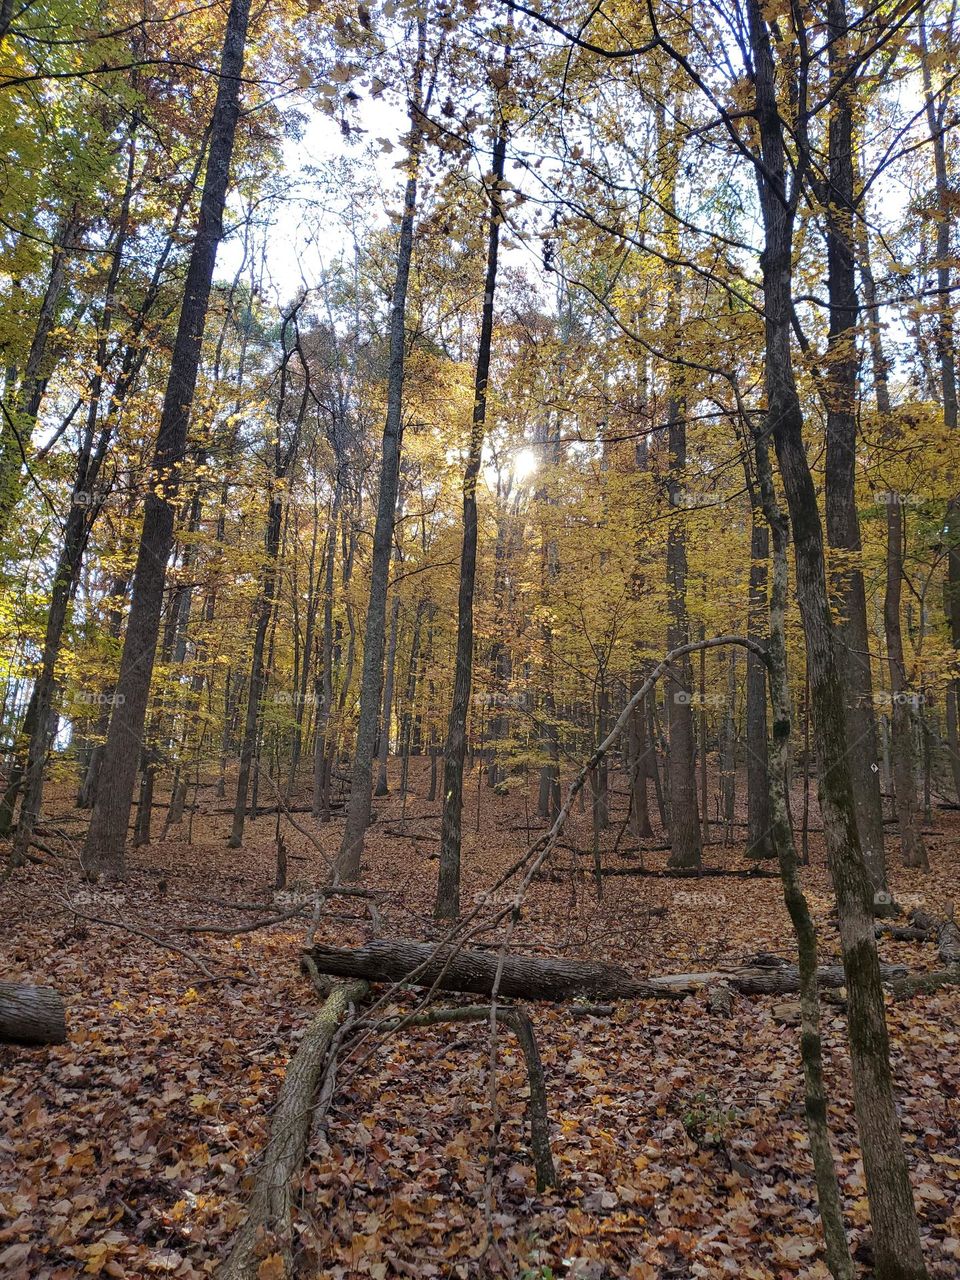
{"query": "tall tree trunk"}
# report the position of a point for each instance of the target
(448, 888)
(685, 850)
(255, 688)
(383, 749)
(638, 749)
(811, 1047)
(912, 847)
(896, 1236)
(938, 104)
(410, 694)
(320, 807)
(361, 786)
(843, 526)
(106, 838)
(266, 602)
(19, 417)
(728, 754)
(684, 834)
(902, 718)
(80, 517)
(759, 834)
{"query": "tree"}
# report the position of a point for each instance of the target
(896, 1236)
(371, 681)
(107, 834)
(448, 887)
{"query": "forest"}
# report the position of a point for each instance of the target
(479, 639)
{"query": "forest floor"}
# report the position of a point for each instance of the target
(678, 1135)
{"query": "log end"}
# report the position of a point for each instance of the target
(31, 1016)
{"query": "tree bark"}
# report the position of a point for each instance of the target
(939, 107)
(269, 1228)
(811, 1048)
(106, 838)
(759, 836)
(347, 866)
(684, 833)
(31, 1015)
(851, 636)
(546, 978)
(447, 905)
(383, 750)
(896, 1235)
(902, 718)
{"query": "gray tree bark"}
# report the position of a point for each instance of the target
(371, 681)
(106, 837)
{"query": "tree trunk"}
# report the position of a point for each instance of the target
(258, 671)
(448, 888)
(811, 1047)
(938, 101)
(106, 838)
(383, 751)
(843, 527)
(901, 718)
(361, 792)
(410, 695)
(759, 836)
(896, 1235)
(684, 833)
(638, 749)
(266, 608)
(728, 755)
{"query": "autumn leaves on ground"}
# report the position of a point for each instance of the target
(678, 1134)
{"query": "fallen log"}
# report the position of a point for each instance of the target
(926, 928)
(905, 933)
(267, 1232)
(759, 980)
(31, 1015)
(916, 984)
(450, 969)
(397, 960)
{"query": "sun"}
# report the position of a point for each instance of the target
(524, 464)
